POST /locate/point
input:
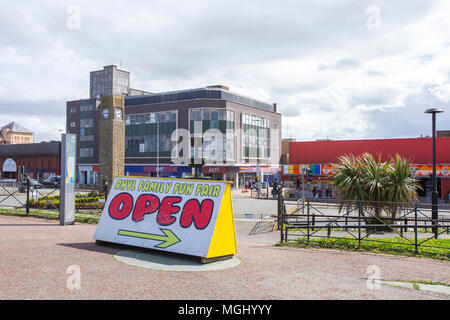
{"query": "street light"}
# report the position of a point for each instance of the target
(434, 195)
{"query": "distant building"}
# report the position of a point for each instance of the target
(111, 80)
(443, 133)
(14, 133)
(285, 150)
(36, 160)
(321, 157)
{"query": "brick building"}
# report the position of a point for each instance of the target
(37, 160)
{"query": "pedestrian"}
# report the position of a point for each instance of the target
(274, 188)
(448, 197)
(314, 192)
(327, 193)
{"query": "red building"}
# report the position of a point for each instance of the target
(37, 160)
(321, 156)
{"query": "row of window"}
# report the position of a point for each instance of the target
(83, 108)
(146, 133)
(255, 136)
(153, 117)
(211, 114)
(255, 121)
(148, 146)
(22, 139)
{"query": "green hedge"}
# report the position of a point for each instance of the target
(82, 201)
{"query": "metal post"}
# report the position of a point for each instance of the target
(307, 219)
(415, 229)
(106, 189)
(28, 196)
(359, 225)
(303, 193)
(280, 214)
(157, 147)
(434, 195)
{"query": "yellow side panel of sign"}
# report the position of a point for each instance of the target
(223, 241)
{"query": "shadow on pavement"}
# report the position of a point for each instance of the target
(114, 248)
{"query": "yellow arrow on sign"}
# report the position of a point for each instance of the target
(168, 239)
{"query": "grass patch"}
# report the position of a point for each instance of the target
(397, 246)
(50, 215)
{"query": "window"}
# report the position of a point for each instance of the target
(87, 138)
(202, 120)
(255, 136)
(147, 133)
(86, 152)
(73, 124)
(86, 123)
(73, 110)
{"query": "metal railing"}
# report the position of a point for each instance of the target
(20, 197)
(358, 222)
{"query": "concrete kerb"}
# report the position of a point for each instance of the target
(165, 262)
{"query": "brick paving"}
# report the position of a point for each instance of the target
(36, 253)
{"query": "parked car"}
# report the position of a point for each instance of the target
(35, 184)
(53, 181)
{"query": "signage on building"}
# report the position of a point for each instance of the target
(214, 169)
(9, 165)
(193, 217)
(270, 169)
(425, 170)
(417, 170)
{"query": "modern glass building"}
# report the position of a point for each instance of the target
(238, 137)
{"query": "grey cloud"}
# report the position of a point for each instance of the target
(177, 42)
(409, 121)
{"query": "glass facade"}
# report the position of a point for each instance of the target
(255, 137)
(147, 132)
(201, 120)
(87, 110)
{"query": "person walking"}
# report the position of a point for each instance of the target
(274, 189)
(314, 192)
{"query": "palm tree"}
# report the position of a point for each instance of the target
(348, 179)
(402, 187)
(373, 185)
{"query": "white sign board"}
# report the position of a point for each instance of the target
(9, 165)
(186, 216)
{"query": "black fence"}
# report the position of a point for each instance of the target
(364, 224)
(23, 197)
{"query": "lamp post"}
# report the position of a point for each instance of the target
(434, 194)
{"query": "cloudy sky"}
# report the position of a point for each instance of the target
(338, 69)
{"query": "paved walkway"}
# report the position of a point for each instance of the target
(36, 255)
